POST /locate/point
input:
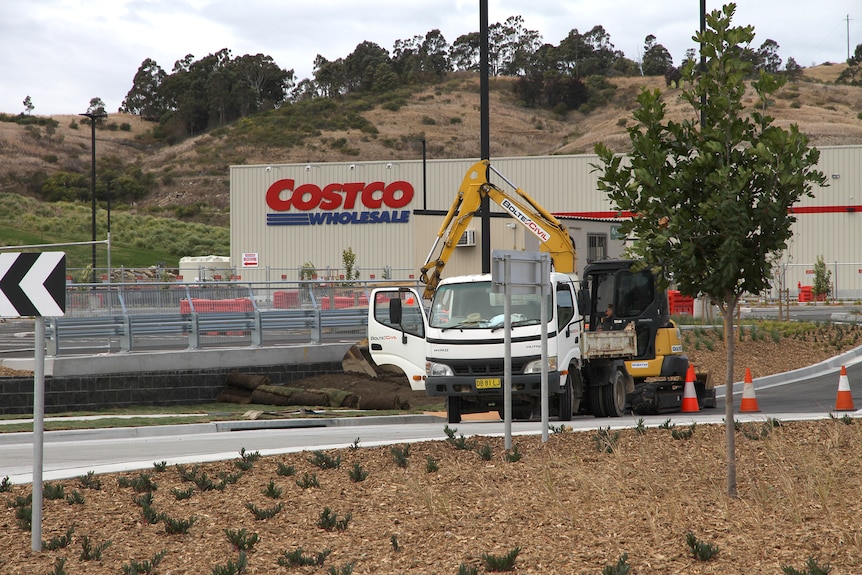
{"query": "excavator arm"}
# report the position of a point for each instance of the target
(552, 235)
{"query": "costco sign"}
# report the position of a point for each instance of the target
(347, 203)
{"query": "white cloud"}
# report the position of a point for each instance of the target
(63, 52)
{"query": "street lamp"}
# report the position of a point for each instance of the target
(93, 116)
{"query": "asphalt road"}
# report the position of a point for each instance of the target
(69, 454)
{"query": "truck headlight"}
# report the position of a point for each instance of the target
(536, 366)
(433, 369)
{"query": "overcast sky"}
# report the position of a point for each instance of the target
(62, 53)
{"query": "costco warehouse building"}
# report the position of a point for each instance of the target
(284, 216)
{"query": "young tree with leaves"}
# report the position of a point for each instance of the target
(822, 287)
(710, 201)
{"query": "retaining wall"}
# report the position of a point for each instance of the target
(179, 378)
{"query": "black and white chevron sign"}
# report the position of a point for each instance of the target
(32, 284)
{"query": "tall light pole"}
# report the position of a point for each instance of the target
(93, 116)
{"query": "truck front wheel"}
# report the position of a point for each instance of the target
(565, 403)
(453, 409)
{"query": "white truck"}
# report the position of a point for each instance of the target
(455, 349)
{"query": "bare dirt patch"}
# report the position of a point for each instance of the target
(569, 506)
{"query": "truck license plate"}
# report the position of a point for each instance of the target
(488, 383)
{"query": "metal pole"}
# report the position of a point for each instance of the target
(93, 116)
(507, 354)
(93, 187)
(484, 130)
(38, 432)
(424, 176)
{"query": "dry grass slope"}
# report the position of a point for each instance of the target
(446, 115)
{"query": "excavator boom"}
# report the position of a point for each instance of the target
(552, 235)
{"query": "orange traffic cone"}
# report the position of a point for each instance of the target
(749, 401)
(689, 395)
(844, 400)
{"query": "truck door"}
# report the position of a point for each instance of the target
(396, 332)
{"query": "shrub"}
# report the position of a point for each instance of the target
(177, 526)
(605, 440)
(459, 442)
(90, 481)
(272, 491)
(811, 568)
(329, 521)
(514, 455)
(53, 491)
(90, 552)
(180, 494)
(246, 460)
(501, 562)
(485, 452)
(58, 567)
(295, 558)
(357, 474)
(59, 542)
(5, 485)
(431, 465)
(75, 498)
(324, 461)
(232, 567)
(400, 454)
(241, 540)
(145, 567)
(267, 513)
(621, 568)
(701, 551)
(285, 470)
(308, 481)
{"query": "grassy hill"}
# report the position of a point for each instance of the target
(191, 177)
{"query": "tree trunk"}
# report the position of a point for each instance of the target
(730, 432)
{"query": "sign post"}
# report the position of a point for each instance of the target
(34, 285)
(515, 272)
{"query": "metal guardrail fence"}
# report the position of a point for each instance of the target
(112, 318)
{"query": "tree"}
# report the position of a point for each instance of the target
(517, 46)
(657, 61)
(822, 280)
(361, 65)
(792, 70)
(28, 105)
(143, 99)
(711, 201)
(768, 56)
(464, 54)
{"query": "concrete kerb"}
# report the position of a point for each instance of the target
(26, 437)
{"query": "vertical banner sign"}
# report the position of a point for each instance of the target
(34, 285)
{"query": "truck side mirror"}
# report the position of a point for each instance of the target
(395, 311)
(584, 304)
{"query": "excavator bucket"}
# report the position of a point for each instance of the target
(358, 360)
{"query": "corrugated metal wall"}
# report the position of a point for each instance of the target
(562, 184)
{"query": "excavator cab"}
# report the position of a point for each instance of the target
(624, 297)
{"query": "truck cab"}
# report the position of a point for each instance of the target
(455, 349)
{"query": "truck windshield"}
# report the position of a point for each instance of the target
(476, 306)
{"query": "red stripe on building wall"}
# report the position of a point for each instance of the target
(797, 210)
